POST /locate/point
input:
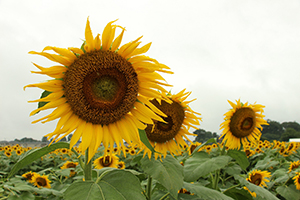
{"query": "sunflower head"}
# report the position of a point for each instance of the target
(101, 91)
(297, 180)
(41, 181)
(258, 178)
(121, 165)
(242, 124)
(167, 136)
(106, 161)
(29, 176)
(294, 165)
(68, 165)
(8, 154)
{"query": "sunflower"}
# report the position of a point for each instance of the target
(294, 165)
(106, 161)
(19, 151)
(8, 154)
(192, 147)
(297, 180)
(29, 176)
(258, 178)
(242, 124)
(41, 181)
(121, 165)
(101, 91)
(168, 136)
(68, 165)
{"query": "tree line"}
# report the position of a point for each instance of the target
(274, 131)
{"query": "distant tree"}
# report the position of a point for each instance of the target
(290, 133)
(203, 136)
(293, 125)
(64, 139)
(273, 131)
(44, 139)
(70, 137)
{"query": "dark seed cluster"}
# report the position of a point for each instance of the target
(101, 87)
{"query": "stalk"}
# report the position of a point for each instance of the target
(87, 167)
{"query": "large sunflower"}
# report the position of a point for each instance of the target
(168, 136)
(242, 124)
(258, 178)
(101, 91)
(297, 180)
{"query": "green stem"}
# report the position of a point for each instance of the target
(216, 179)
(163, 197)
(87, 167)
(234, 186)
(149, 184)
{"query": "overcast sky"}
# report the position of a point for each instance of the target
(219, 50)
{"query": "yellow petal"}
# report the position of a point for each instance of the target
(107, 35)
(89, 39)
(117, 41)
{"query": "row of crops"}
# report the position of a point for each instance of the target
(267, 170)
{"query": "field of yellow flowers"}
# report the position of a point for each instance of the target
(267, 170)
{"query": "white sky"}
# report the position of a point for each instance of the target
(219, 50)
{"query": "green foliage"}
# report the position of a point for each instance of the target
(240, 157)
(35, 154)
(112, 184)
(44, 94)
(203, 135)
(168, 172)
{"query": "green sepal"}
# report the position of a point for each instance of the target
(43, 95)
(145, 140)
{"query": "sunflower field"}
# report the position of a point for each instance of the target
(131, 137)
(268, 170)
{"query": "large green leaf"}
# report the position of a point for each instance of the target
(199, 165)
(290, 192)
(236, 193)
(204, 192)
(266, 163)
(167, 172)
(34, 155)
(240, 157)
(114, 184)
(254, 188)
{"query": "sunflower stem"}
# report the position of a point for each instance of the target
(149, 184)
(87, 167)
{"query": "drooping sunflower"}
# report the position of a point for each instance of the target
(8, 154)
(29, 176)
(68, 165)
(106, 161)
(242, 124)
(258, 178)
(168, 136)
(297, 180)
(101, 91)
(294, 165)
(41, 181)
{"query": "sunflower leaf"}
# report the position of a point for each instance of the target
(290, 192)
(168, 172)
(144, 139)
(240, 157)
(204, 192)
(34, 155)
(43, 103)
(200, 165)
(116, 184)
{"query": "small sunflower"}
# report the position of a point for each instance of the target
(294, 165)
(19, 151)
(121, 165)
(101, 91)
(168, 136)
(242, 124)
(297, 180)
(258, 178)
(192, 147)
(41, 181)
(29, 176)
(68, 165)
(106, 161)
(8, 154)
